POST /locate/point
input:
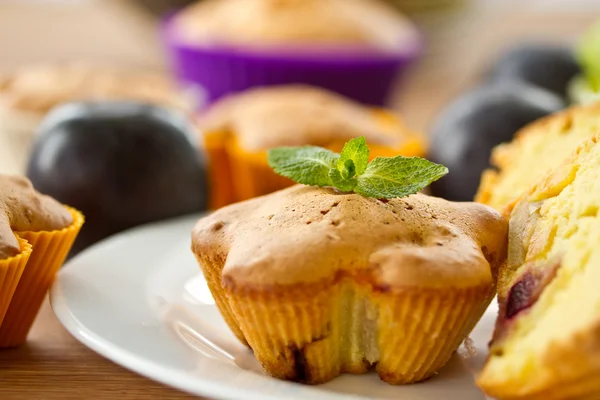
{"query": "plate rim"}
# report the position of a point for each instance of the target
(127, 359)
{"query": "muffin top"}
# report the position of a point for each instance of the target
(365, 24)
(297, 115)
(304, 234)
(39, 88)
(22, 208)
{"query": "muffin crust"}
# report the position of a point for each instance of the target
(24, 209)
(368, 24)
(306, 235)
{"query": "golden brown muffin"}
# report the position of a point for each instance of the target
(319, 282)
(238, 130)
(547, 340)
(367, 24)
(535, 150)
(29, 93)
(24, 209)
(36, 233)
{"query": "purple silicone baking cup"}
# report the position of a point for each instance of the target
(218, 71)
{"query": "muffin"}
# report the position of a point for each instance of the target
(238, 131)
(353, 47)
(318, 282)
(29, 93)
(535, 149)
(36, 233)
(547, 340)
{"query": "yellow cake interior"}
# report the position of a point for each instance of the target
(564, 225)
(536, 149)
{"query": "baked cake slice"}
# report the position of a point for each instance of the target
(536, 149)
(547, 340)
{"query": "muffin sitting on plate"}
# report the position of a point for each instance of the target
(353, 47)
(359, 273)
(547, 340)
(238, 131)
(29, 93)
(36, 234)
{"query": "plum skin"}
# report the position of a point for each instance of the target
(465, 133)
(547, 66)
(122, 164)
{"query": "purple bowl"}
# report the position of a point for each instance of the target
(216, 71)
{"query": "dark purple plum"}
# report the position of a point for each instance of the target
(547, 66)
(465, 133)
(122, 164)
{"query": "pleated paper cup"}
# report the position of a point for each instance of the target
(50, 248)
(11, 270)
(312, 333)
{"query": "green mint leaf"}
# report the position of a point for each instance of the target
(341, 183)
(588, 56)
(309, 165)
(397, 176)
(349, 170)
(357, 151)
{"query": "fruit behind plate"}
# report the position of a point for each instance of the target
(122, 163)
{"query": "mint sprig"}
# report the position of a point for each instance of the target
(351, 171)
(309, 165)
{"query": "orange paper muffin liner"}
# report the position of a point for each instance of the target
(11, 270)
(219, 172)
(313, 332)
(50, 248)
(236, 174)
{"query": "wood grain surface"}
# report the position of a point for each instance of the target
(53, 365)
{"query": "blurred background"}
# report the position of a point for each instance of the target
(463, 37)
(464, 76)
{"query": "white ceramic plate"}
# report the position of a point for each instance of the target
(138, 299)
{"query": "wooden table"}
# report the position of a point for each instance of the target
(55, 366)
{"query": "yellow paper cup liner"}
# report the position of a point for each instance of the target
(211, 269)
(419, 330)
(50, 248)
(314, 333)
(11, 270)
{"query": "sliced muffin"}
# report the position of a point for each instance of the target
(319, 282)
(536, 149)
(36, 233)
(238, 131)
(547, 340)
